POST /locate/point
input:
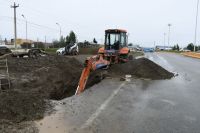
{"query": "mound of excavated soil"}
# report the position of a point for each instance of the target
(141, 68)
(20, 106)
(34, 81)
(54, 77)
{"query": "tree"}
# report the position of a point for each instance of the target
(62, 42)
(176, 47)
(55, 44)
(191, 47)
(130, 44)
(71, 38)
(95, 41)
(6, 42)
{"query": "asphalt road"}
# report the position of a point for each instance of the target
(139, 106)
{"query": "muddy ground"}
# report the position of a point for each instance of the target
(37, 81)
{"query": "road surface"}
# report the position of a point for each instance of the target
(139, 106)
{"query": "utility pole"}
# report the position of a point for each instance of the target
(15, 24)
(26, 30)
(195, 36)
(164, 40)
(127, 38)
(45, 41)
(169, 34)
(60, 31)
(37, 42)
(1, 42)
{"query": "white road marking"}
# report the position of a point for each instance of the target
(169, 102)
(101, 108)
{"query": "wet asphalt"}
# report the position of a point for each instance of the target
(139, 106)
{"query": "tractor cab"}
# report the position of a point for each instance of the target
(115, 48)
(115, 39)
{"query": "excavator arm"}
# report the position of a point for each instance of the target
(91, 64)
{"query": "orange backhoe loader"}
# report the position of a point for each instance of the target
(115, 50)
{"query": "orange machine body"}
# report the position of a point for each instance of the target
(115, 50)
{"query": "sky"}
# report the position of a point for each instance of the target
(145, 20)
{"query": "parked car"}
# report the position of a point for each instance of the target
(60, 51)
(148, 50)
(4, 50)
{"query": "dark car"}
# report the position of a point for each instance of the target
(4, 50)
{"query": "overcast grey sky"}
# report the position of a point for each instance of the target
(145, 20)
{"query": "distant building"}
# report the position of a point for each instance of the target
(20, 41)
(2, 42)
(164, 48)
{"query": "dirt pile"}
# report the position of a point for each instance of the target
(141, 68)
(20, 106)
(53, 77)
(35, 81)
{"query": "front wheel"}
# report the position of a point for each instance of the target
(130, 57)
(123, 58)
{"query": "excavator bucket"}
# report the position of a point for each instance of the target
(91, 63)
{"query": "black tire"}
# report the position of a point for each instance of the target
(21, 56)
(130, 57)
(123, 58)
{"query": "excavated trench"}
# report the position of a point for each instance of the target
(36, 81)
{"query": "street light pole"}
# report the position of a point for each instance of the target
(60, 30)
(196, 25)
(26, 29)
(164, 40)
(169, 34)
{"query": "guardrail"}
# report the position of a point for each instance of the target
(192, 54)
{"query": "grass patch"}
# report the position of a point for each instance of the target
(51, 50)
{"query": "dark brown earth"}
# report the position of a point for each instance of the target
(141, 68)
(36, 81)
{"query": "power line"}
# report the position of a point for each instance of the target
(32, 23)
(44, 13)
